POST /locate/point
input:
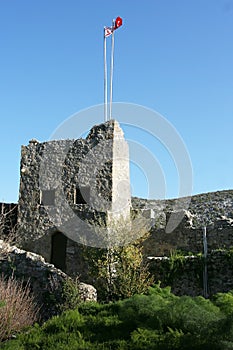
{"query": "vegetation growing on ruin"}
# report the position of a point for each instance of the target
(158, 320)
(119, 270)
(174, 266)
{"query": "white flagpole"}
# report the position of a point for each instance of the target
(105, 81)
(111, 72)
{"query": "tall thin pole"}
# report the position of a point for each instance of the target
(105, 81)
(111, 73)
(205, 272)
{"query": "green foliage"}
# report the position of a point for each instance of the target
(225, 302)
(156, 321)
(122, 273)
(119, 271)
(132, 275)
(177, 263)
(70, 294)
(60, 296)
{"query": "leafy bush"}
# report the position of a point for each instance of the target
(18, 309)
(225, 302)
(59, 296)
(156, 321)
(70, 294)
(120, 271)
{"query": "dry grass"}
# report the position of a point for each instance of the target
(17, 309)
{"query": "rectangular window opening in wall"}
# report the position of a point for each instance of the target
(47, 197)
(82, 195)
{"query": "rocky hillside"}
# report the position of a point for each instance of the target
(205, 209)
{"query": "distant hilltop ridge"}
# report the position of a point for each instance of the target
(204, 208)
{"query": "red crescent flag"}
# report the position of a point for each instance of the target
(118, 22)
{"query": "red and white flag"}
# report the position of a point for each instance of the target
(107, 31)
(118, 23)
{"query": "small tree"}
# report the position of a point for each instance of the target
(119, 270)
(123, 273)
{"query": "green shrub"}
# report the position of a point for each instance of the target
(70, 294)
(119, 270)
(156, 321)
(225, 302)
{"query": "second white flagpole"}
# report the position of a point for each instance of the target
(105, 81)
(111, 72)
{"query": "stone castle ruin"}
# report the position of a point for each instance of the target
(66, 185)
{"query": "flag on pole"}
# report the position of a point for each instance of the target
(107, 31)
(118, 23)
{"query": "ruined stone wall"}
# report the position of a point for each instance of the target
(211, 210)
(189, 239)
(185, 276)
(66, 184)
(54, 166)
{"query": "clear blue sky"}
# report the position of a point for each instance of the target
(173, 56)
